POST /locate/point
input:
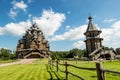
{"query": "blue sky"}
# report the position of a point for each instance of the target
(63, 21)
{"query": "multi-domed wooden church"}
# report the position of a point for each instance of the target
(33, 44)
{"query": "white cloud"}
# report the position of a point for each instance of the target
(67, 27)
(16, 7)
(15, 28)
(111, 35)
(29, 1)
(72, 34)
(109, 20)
(20, 5)
(79, 44)
(50, 21)
(29, 15)
(12, 13)
(1, 31)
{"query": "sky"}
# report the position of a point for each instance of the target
(63, 22)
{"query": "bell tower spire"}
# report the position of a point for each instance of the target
(91, 26)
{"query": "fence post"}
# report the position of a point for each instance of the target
(66, 71)
(103, 75)
(100, 72)
(57, 65)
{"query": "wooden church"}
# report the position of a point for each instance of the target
(33, 44)
(94, 48)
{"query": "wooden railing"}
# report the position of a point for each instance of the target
(100, 71)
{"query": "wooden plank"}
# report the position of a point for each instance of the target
(111, 71)
(100, 73)
(61, 64)
(82, 67)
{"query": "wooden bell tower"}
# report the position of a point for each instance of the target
(93, 40)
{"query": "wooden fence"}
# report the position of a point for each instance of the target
(99, 70)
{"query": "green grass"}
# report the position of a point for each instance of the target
(40, 70)
(41, 61)
(91, 75)
(7, 61)
(28, 72)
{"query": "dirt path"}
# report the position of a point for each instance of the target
(22, 61)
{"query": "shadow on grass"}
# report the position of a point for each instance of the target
(52, 73)
(94, 76)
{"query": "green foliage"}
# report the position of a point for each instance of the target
(59, 54)
(67, 54)
(13, 56)
(6, 54)
(118, 51)
(76, 52)
(107, 48)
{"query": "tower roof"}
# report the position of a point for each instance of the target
(91, 26)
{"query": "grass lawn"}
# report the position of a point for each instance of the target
(40, 70)
(37, 71)
(7, 61)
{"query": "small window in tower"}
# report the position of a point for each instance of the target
(92, 34)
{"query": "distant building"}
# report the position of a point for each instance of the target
(94, 48)
(33, 44)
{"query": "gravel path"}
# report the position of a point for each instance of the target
(22, 61)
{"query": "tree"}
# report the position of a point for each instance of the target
(67, 54)
(76, 52)
(106, 48)
(55, 55)
(118, 51)
(6, 54)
